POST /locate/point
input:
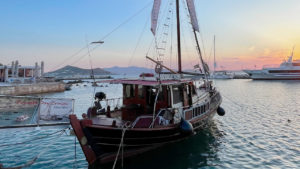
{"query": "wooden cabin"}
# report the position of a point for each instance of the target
(139, 96)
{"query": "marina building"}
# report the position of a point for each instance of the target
(16, 73)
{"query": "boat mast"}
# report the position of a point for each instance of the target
(214, 53)
(178, 37)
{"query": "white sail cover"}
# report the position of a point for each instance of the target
(192, 11)
(154, 15)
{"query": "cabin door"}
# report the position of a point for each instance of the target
(187, 97)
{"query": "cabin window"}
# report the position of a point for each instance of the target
(193, 90)
(161, 93)
(28, 72)
(284, 71)
(296, 64)
(9, 73)
(21, 73)
(141, 91)
(169, 96)
(176, 94)
(129, 91)
(188, 90)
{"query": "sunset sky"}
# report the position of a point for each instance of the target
(249, 33)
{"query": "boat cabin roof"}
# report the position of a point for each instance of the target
(150, 82)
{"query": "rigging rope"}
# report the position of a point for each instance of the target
(29, 163)
(138, 42)
(104, 37)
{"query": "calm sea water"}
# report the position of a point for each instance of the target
(261, 129)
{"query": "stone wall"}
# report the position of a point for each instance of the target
(35, 88)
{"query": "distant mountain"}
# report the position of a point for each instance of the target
(132, 70)
(69, 71)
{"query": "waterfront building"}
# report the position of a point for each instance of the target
(16, 73)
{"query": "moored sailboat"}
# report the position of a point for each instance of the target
(157, 109)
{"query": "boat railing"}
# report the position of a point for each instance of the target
(150, 117)
(113, 102)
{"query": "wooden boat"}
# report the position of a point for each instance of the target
(157, 110)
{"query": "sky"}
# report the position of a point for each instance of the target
(249, 33)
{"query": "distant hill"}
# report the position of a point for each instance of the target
(69, 71)
(132, 70)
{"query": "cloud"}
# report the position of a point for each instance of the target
(251, 48)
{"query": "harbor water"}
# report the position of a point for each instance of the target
(261, 129)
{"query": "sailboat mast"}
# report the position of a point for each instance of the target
(178, 37)
(214, 53)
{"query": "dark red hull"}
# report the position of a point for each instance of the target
(100, 144)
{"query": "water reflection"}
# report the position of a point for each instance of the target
(201, 150)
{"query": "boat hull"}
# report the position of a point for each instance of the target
(102, 144)
(265, 75)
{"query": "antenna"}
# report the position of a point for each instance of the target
(292, 54)
(293, 51)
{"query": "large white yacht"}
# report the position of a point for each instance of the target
(288, 70)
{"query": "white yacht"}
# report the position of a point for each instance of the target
(288, 70)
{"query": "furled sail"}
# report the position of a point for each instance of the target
(192, 11)
(154, 15)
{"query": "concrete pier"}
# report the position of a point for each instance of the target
(34, 88)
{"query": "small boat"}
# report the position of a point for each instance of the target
(288, 70)
(157, 109)
(222, 75)
(94, 84)
(22, 118)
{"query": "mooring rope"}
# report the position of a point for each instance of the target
(121, 145)
(29, 163)
(75, 156)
